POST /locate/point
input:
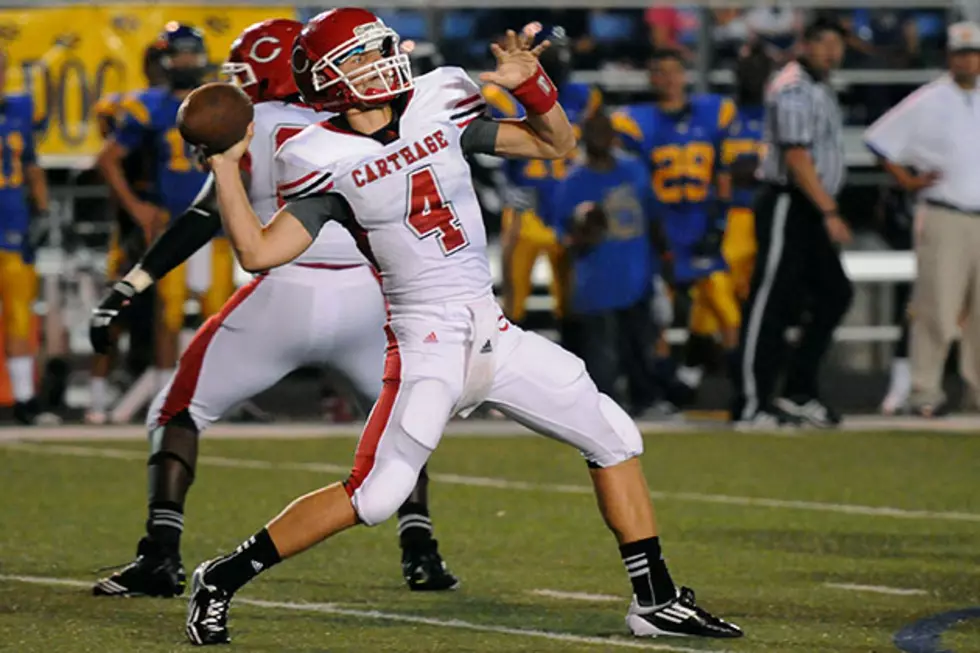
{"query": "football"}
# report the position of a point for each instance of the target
(589, 225)
(214, 117)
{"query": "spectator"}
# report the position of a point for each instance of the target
(894, 213)
(602, 210)
(777, 24)
(730, 32)
(936, 131)
(667, 24)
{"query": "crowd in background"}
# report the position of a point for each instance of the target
(616, 38)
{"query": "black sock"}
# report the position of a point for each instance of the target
(732, 360)
(647, 570)
(252, 557)
(165, 525)
(414, 525)
(699, 350)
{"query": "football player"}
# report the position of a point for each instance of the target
(391, 169)
(150, 120)
(527, 227)
(681, 138)
(742, 152)
(326, 307)
(128, 242)
(23, 188)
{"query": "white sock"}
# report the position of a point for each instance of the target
(163, 377)
(690, 376)
(21, 372)
(901, 378)
(99, 391)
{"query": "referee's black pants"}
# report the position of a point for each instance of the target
(797, 273)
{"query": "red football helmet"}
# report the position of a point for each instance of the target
(328, 40)
(259, 60)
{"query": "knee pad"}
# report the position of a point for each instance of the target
(390, 480)
(626, 442)
(390, 485)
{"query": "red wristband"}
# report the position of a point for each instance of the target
(537, 93)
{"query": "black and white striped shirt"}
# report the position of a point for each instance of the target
(802, 111)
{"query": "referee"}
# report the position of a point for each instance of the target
(798, 277)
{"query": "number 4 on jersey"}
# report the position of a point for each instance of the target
(429, 213)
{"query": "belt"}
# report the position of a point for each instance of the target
(331, 266)
(973, 213)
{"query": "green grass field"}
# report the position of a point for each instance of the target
(773, 533)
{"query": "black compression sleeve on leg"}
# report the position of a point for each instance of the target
(170, 472)
(414, 523)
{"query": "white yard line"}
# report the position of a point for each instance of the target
(504, 484)
(578, 596)
(960, 425)
(287, 431)
(330, 608)
(877, 589)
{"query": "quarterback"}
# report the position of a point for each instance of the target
(390, 168)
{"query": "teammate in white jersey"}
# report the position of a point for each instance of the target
(391, 169)
(325, 307)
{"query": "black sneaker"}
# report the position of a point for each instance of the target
(682, 617)
(153, 573)
(207, 611)
(810, 411)
(424, 569)
(26, 412)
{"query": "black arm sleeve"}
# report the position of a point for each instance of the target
(480, 136)
(188, 233)
(317, 210)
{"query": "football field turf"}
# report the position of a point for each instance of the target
(816, 542)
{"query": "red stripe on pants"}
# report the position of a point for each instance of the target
(189, 370)
(367, 446)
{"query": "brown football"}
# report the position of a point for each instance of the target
(215, 116)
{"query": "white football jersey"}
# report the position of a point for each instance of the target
(415, 212)
(275, 123)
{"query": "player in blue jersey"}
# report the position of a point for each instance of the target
(528, 229)
(681, 137)
(602, 215)
(149, 120)
(742, 153)
(127, 242)
(23, 189)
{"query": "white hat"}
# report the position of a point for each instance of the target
(964, 36)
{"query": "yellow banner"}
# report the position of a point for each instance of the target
(67, 58)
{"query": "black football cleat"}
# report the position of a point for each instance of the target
(153, 573)
(207, 611)
(424, 569)
(682, 617)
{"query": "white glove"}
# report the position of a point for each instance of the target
(663, 304)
